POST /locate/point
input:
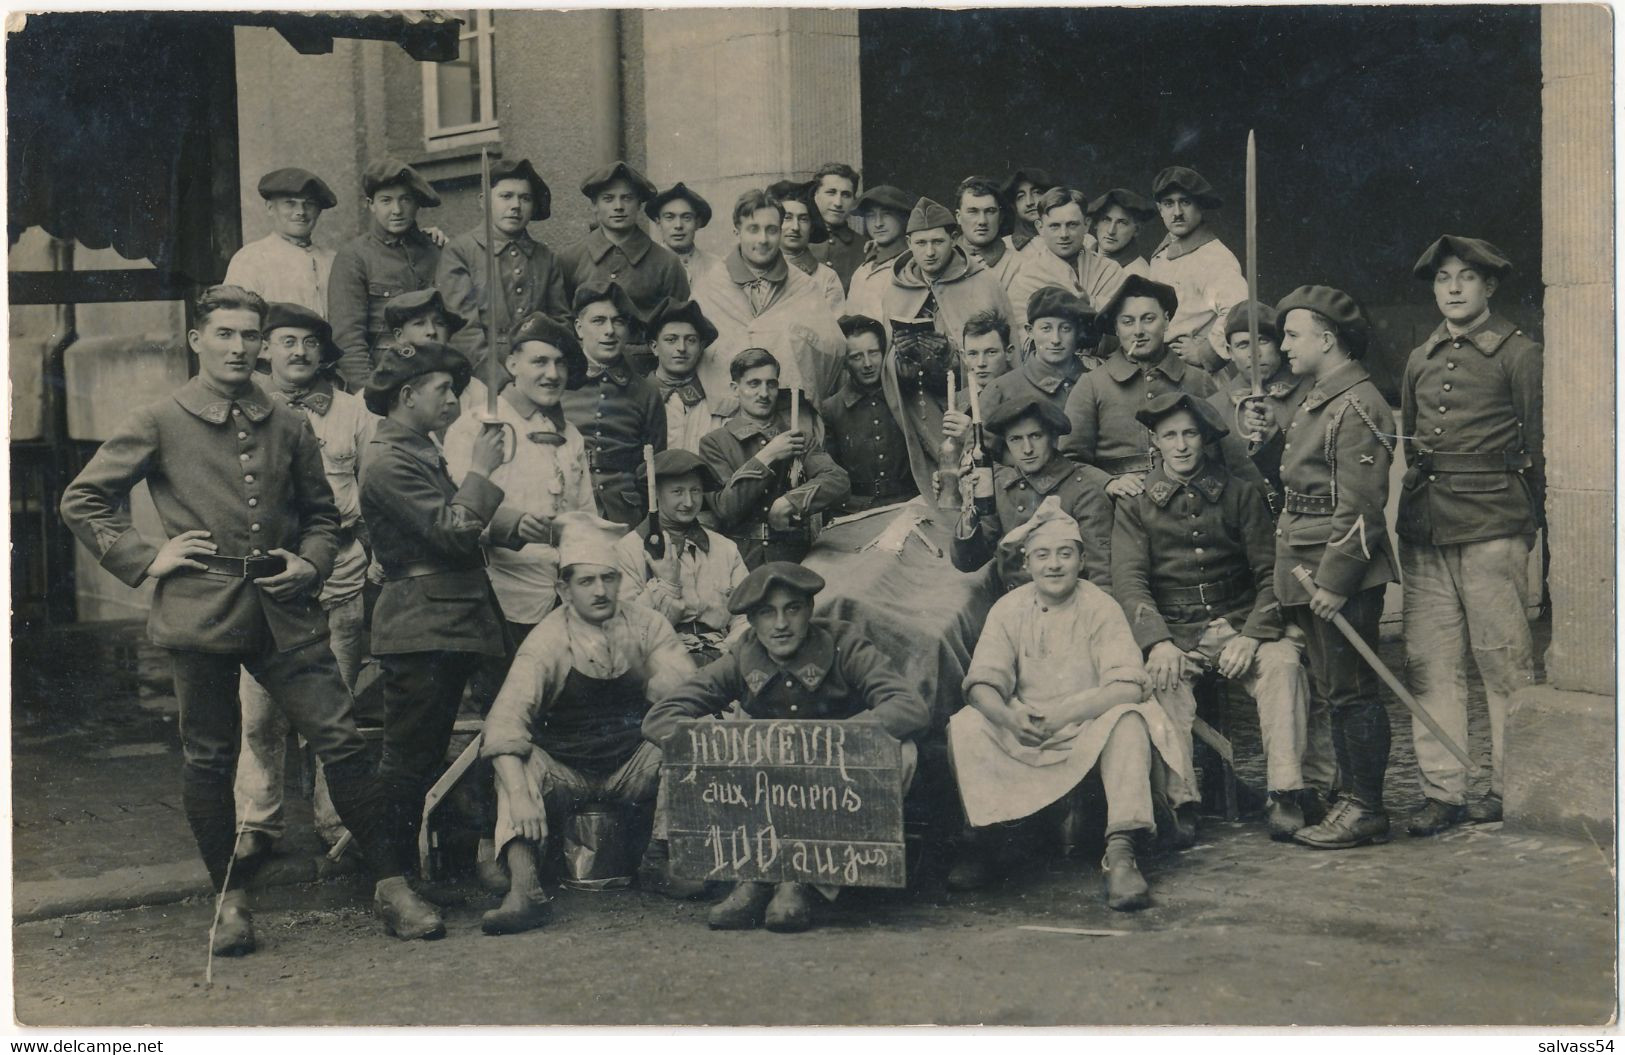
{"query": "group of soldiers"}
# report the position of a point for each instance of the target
(575, 487)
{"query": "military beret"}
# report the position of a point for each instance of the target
(389, 172)
(674, 310)
(408, 306)
(753, 590)
(1337, 307)
(399, 363)
(1240, 317)
(928, 215)
(539, 327)
(884, 196)
(1178, 177)
(593, 292)
(1136, 286)
(1054, 302)
(1207, 418)
(1474, 251)
(789, 190)
(279, 314)
(1013, 410)
(523, 169)
(294, 182)
(1135, 205)
(1039, 178)
(674, 462)
(597, 181)
(702, 208)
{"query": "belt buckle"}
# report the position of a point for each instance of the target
(241, 569)
(1201, 593)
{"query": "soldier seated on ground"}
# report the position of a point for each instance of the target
(789, 665)
(1055, 689)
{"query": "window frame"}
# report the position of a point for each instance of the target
(437, 137)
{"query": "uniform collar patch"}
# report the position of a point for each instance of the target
(197, 398)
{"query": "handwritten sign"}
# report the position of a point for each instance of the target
(785, 801)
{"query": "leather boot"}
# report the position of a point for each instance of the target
(1486, 811)
(742, 909)
(520, 911)
(406, 915)
(1350, 823)
(252, 844)
(1315, 805)
(234, 932)
(488, 870)
(654, 874)
(790, 910)
(1126, 888)
(1434, 817)
(1284, 814)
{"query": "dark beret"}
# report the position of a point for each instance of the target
(294, 182)
(755, 587)
(928, 215)
(1474, 251)
(1137, 206)
(389, 172)
(523, 169)
(593, 292)
(408, 306)
(702, 208)
(672, 310)
(1039, 178)
(1136, 286)
(1240, 316)
(673, 462)
(790, 190)
(1013, 410)
(1054, 301)
(399, 363)
(279, 314)
(596, 181)
(1340, 309)
(884, 196)
(1178, 177)
(1207, 417)
(539, 327)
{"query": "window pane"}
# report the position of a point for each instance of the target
(458, 90)
(490, 73)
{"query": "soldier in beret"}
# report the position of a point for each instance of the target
(1029, 430)
(238, 482)
(884, 211)
(285, 265)
(1334, 472)
(299, 354)
(834, 190)
(1190, 258)
(986, 221)
(690, 582)
(1022, 190)
(791, 665)
(530, 277)
(680, 213)
(566, 727)
(862, 433)
(802, 229)
(776, 481)
(394, 256)
(618, 250)
(1060, 327)
(681, 337)
(1260, 425)
(1064, 254)
(1193, 564)
(1470, 504)
(1115, 220)
(437, 619)
(616, 410)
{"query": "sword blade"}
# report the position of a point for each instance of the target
(491, 368)
(1252, 256)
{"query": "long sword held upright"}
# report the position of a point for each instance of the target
(1252, 285)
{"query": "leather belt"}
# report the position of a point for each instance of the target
(614, 461)
(1314, 505)
(1208, 593)
(1473, 461)
(1139, 463)
(240, 567)
(416, 569)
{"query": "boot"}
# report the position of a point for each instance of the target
(520, 911)
(1126, 888)
(790, 911)
(1486, 811)
(742, 909)
(488, 870)
(234, 932)
(253, 844)
(1183, 836)
(406, 915)
(654, 874)
(1285, 815)
(1434, 817)
(1315, 803)
(1350, 823)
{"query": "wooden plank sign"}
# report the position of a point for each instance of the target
(785, 801)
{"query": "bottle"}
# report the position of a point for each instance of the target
(981, 474)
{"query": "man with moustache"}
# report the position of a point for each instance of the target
(680, 213)
(834, 190)
(1062, 256)
(286, 266)
(1205, 275)
(860, 431)
(884, 211)
(681, 337)
(985, 219)
(1115, 219)
(802, 229)
(618, 250)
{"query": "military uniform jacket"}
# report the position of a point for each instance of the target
(749, 486)
(1479, 395)
(1283, 391)
(1185, 554)
(1105, 432)
(648, 273)
(426, 535)
(1033, 378)
(248, 471)
(843, 252)
(368, 271)
(532, 280)
(1334, 467)
(617, 413)
(864, 438)
(1016, 496)
(1090, 275)
(836, 674)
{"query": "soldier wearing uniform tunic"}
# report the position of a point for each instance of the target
(1060, 331)
(1470, 504)
(860, 431)
(681, 337)
(618, 250)
(1064, 255)
(680, 214)
(1261, 425)
(1334, 468)
(834, 190)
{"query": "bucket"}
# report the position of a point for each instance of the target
(595, 848)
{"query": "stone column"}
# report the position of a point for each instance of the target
(1560, 739)
(735, 99)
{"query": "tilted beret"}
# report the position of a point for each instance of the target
(702, 208)
(756, 586)
(280, 314)
(297, 181)
(927, 215)
(1137, 286)
(884, 196)
(523, 169)
(1054, 301)
(1013, 410)
(675, 461)
(408, 306)
(1269, 321)
(1340, 309)
(391, 171)
(596, 181)
(1474, 251)
(593, 292)
(1207, 418)
(673, 310)
(1135, 205)
(1178, 177)
(399, 363)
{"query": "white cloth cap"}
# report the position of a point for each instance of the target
(1049, 523)
(587, 539)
